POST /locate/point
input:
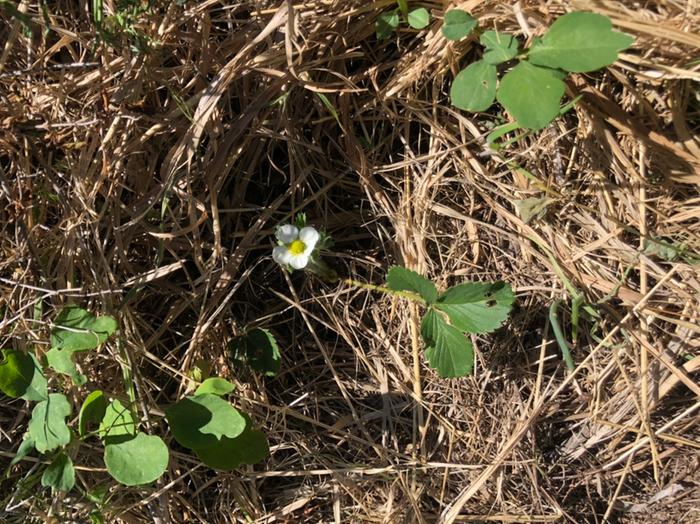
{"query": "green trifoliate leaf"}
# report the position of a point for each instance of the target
(60, 474)
(474, 88)
(419, 18)
(61, 361)
(117, 422)
(249, 447)
(21, 376)
(457, 24)
(477, 307)
(47, 427)
(447, 350)
(259, 349)
(531, 95)
(401, 279)
(201, 421)
(93, 410)
(78, 330)
(215, 386)
(579, 42)
(500, 47)
(137, 460)
(386, 24)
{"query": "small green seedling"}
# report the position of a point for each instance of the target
(531, 89)
(207, 423)
(387, 23)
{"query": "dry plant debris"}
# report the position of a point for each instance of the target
(145, 166)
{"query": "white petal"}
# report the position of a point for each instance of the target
(309, 236)
(287, 233)
(281, 255)
(299, 261)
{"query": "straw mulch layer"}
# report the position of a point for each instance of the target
(142, 174)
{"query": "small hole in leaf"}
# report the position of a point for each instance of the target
(490, 303)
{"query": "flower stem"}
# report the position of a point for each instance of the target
(383, 289)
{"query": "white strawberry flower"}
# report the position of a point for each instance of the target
(296, 246)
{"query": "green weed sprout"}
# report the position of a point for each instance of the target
(387, 23)
(533, 85)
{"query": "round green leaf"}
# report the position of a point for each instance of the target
(21, 376)
(215, 386)
(447, 350)
(78, 330)
(201, 421)
(93, 410)
(457, 24)
(61, 361)
(419, 18)
(230, 453)
(60, 474)
(117, 422)
(579, 42)
(474, 88)
(47, 427)
(531, 95)
(477, 307)
(500, 47)
(138, 460)
(386, 24)
(402, 279)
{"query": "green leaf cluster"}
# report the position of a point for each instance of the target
(477, 307)
(387, 23)
(220, 435)
(531, 90)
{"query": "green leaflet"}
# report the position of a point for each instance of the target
(477, 307)
(474, 88)
(579, 43)
(60, 474)
(401, 279)
(500, 47)
(259, 349)
(202, 420)
(21, 376)
(215, 386)
(249, 447)
(457, 24)
(531, 94)
(47, 427)
(137, 460)
(447, 351)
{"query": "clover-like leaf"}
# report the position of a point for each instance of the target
(474, 88)
(531, 94)
(93, 410)
(500, 47)
(47, 427)
(202, 420)
(259, 349)
(137, 460)
(61, 361)
(447, 350)
(117, 422)
(249, 447)
(477, 307)
(21, 376)
(402, 279)
(579, 42)
(419, 18)
(457, 24)
(60, 474)
(79, 330)
(215, 386)
(386, 24)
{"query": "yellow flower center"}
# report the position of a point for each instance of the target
(297, 247)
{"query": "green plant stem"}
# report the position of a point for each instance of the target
(382, 289)
(559, 335)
